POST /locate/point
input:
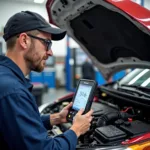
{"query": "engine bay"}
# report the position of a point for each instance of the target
(114, 121)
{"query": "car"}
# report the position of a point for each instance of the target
(115, 34)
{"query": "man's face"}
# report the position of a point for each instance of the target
(37, 54)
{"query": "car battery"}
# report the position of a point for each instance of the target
(109, 133)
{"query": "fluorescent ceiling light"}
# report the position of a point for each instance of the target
(138, 76)
(38, 1)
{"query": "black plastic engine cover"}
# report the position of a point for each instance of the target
(135, 128)
(109, 133)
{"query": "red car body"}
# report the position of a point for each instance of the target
(136, 12)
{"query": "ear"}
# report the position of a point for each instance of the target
(24, 40)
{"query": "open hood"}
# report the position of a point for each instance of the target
(115, 34)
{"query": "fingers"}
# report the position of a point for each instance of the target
(88, 114)
(80, 112)
(81, 122)
(90, 119)
(68, 106)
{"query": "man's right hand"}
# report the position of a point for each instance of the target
(81, 123)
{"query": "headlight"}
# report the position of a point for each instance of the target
(140, 146)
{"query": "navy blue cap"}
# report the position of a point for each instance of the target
(26, 21)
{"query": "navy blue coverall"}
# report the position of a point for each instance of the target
(21, 126)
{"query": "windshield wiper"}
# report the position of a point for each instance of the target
(141, 91)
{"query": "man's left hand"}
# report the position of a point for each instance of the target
(60, 117)
(64, 112)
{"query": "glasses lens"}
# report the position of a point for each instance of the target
(49, 45)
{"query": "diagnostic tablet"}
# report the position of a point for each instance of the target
(83, 97)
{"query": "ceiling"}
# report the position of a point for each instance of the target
(23, 1)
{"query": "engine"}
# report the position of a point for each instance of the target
(113, 122)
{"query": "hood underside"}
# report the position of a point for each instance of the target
(111, 38)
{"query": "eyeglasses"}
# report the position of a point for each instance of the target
(47, 42)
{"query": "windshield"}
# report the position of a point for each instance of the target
(138, 77)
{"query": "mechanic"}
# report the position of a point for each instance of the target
(28, 37)
(88, 71)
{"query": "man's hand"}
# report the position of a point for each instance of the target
(60, 117)
(64, 112)
(82, 123)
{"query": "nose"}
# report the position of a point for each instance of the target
(50, 53)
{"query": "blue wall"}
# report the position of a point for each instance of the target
(48, 76)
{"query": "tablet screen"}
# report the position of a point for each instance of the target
(82, 96)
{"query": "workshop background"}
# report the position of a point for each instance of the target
(63, 70)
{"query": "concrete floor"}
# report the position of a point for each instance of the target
(53, 94)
